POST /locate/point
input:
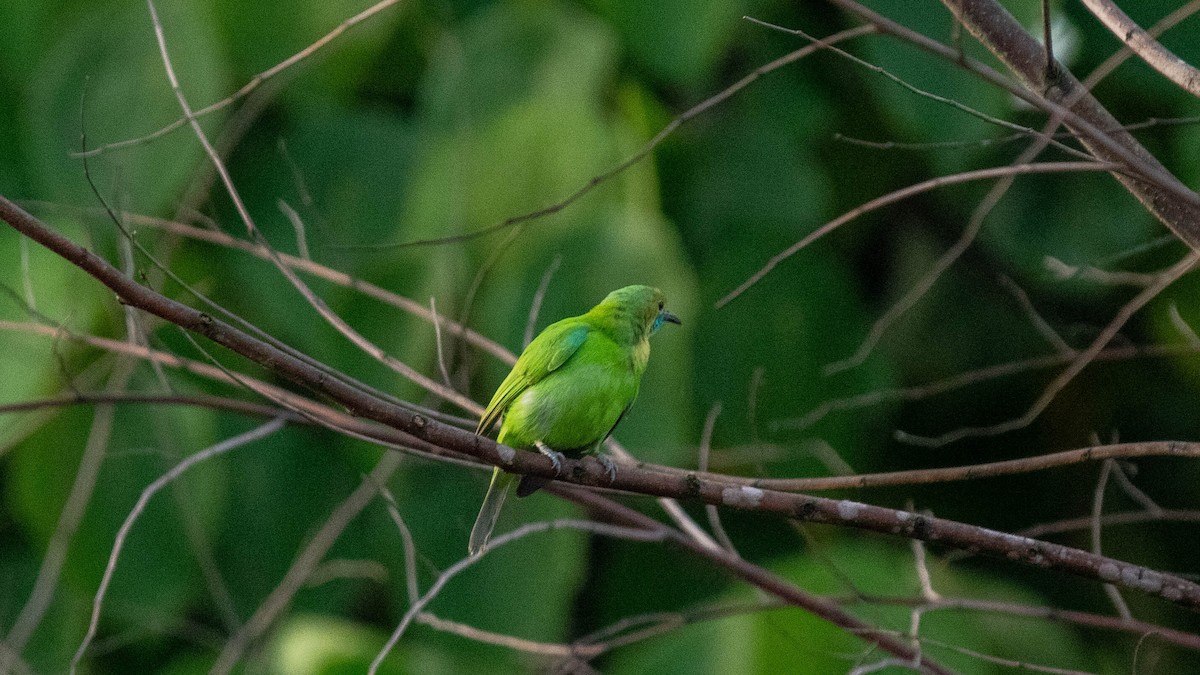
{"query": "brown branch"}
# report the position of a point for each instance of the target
(305, 562)
(310, 410)
(905, 193)
(1150, 169)
(599, 179)
(251, 85)
(1160, 192)
(759, 577)
(1145, 46)
(1079, 361)
(988, 470)
(930, 389)
(641, 480)
(197, 400)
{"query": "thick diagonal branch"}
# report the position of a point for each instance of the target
(1142, 43)
(1001, 33)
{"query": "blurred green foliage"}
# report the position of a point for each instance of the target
(439, 119)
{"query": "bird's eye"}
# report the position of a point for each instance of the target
(660, 306)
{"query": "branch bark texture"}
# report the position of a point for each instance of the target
(1008, 40)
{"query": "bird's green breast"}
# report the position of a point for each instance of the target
(575, 407)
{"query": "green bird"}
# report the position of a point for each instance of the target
(569, 389)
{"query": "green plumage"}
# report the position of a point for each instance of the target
(570, 387)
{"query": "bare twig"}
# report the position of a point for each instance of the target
(1042, 326)
(714, 516)
(1080, 362)
(1097, 512)
(1010, 138)
(761, 578)
(1064, 272)
(904, 193)
(1047, 32)
(1183, 327)
(72, 514)
(297, 225)
(988, 470)
(437, 339)
(304, 564)
(930, 389)
(144, 499)
(535, 307)
(943, 263)
(1160, 192)
(309, 410)
(254, 82)
(1145, 46)
(123, 397)
(958, 105)
(328, 274)
(631, 533)
(650, 145)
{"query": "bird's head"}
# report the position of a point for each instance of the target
(641, 308)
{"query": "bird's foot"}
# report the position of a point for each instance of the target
(555, 456)
(610, 467)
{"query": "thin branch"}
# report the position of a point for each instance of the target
(1086, 619)
(645, 150)
(356, 338)
(1040, 324)
(943, 263)
(1047, 32)
(406, 540)
(252, 229)
(144, 499)
(133, 397)
(1145, 46)
(1085, 357)
(310, 410)
(1064, 272)
(1132, 491)
(930, 389)
(1159, 191)
(305, 563)
(1010, 138)
(1133, 158)
(1111, 519)
(761, 578)
(244, 214)
(714, 516)
(250, 86)
(630, 533)
(988, 470)
(670, 506)
(297, 225)
(327, 274)
(904, 193)
(437, 339)
(502, 640)
(26, 278)
(1183, 327)
(958, 105)
(535, 307)
(1097, 512)
(73, 511)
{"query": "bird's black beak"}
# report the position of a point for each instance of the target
(671, 318)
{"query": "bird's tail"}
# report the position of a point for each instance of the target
(485, 522)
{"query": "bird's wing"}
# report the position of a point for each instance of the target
(544, 355)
